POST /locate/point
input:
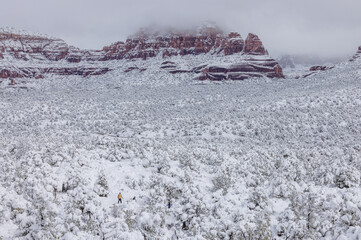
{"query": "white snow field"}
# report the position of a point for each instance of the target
(255, 159)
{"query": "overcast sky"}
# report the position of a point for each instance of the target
(323, 27)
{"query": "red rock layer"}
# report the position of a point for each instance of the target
(320, 68)
(252, 68)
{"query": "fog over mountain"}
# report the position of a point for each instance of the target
(326, 28)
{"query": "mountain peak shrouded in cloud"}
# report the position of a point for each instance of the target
(318, 27)
(155, 30)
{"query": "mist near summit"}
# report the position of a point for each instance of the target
(317, 27)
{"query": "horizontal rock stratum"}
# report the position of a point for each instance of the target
(24, 55)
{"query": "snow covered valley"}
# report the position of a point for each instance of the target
(253, 159)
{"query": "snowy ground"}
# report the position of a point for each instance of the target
(254, 159)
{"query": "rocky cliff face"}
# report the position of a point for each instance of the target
(26, 47)
(29, 55)
(144, 44)
(208, 40)
(22, 46)
(25, 55)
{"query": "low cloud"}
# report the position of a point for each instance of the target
(321, 27)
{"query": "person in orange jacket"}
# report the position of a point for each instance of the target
(119, 198)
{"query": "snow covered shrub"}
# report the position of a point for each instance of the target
(130, 218)
(27, 226)
(223, 180)
(187, 160)
(347, 177)
(5, 202)
(258, 228)
(258, 199)
(101, 185)
(324, 176)
(147, 225)
(284, 189)
(312, 214)
(350, 211)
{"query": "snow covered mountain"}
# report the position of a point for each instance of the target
(298, 60)
(30, 55)
(254, 159)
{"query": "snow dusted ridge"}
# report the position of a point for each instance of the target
(15, 31)
(34, 56)
(254, 159)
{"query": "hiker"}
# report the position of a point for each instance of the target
(119, 198)
(169, 204)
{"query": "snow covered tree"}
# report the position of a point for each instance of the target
(347, 177)
(101, 185)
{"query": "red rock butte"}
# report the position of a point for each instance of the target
(26, 55)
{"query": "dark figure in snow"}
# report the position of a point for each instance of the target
(169, 204)
(119, 198)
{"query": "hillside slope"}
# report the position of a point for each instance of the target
(254, 159)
